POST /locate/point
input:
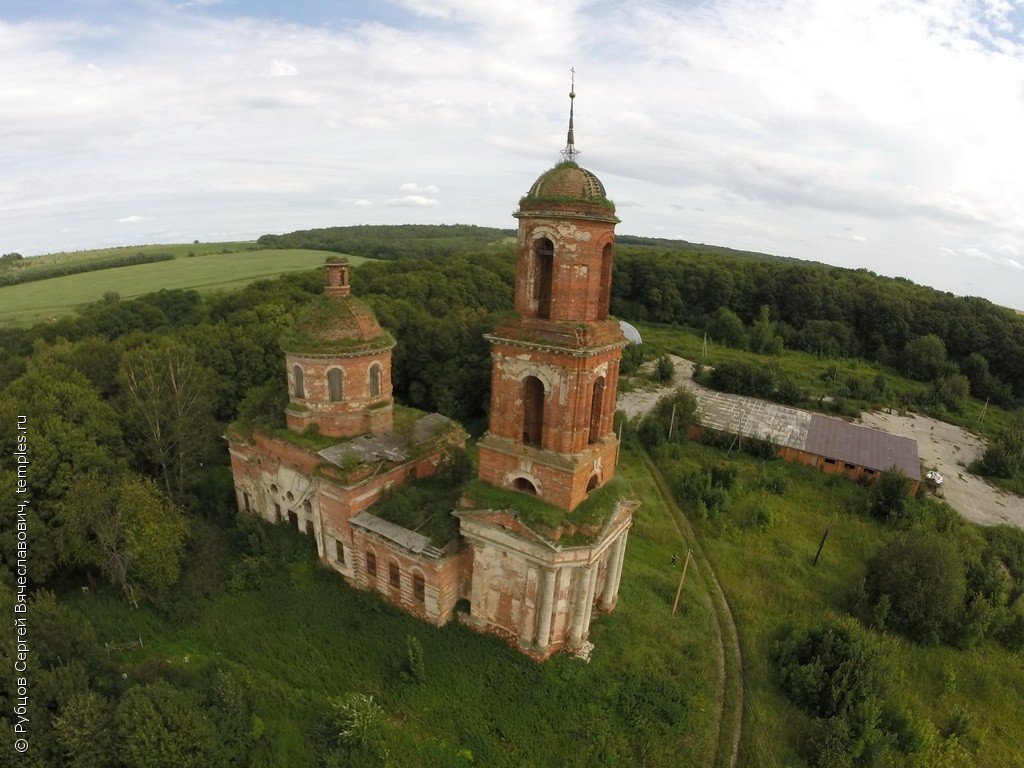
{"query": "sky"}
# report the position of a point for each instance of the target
(877, 134)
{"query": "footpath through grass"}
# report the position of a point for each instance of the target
(209, 269)
(648, 697)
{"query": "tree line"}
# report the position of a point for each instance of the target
(27, 272)
(828, 311)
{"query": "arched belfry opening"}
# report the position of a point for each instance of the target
(300, 385)
(533, 411)
(605, 289)
(543, 272)
(596, 410)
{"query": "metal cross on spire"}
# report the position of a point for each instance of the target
(570, 152)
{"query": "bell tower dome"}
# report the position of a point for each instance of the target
(555, 365)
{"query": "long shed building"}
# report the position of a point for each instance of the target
(832, 445)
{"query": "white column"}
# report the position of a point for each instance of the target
(584, 583)
(547, 597)
(612, 573)
(621, 558)
(591, 590)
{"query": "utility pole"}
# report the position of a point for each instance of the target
(682, 578)
(983, 409)
(824, 536)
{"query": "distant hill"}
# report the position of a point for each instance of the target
(717, 250)
(393, 241)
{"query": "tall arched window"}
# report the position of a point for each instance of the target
(604, 297)
(533, 411)
(371, 564)
(374, 380)
(300, 387)
(394, 575)
(596, 407)
(418, 588)
(335, 390)
(543, 269)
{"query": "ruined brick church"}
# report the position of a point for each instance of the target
(536, 579)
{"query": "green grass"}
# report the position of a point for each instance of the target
(647, 697)
(209, 270)
(767, 572)
(594, 511)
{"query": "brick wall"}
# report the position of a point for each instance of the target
(349, 416)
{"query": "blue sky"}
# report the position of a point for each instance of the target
(883, 134)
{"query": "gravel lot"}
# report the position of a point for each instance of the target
(950, 449)
(940, 446)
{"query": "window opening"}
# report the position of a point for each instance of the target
(418, 588)
(300, 388)
(533, 411)
(595, 410)
(335, 390)
(394, 575)
(544, 259)
(604, 298)
(374, 380)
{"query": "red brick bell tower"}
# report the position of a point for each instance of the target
(555, 366)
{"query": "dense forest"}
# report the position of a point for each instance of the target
(126, 403)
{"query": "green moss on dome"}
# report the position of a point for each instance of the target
(336, 325)
(568, 183)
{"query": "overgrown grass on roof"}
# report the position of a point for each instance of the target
(534, 511)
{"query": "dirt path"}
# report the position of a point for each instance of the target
(730, 657)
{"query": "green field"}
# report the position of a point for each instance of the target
(209, 269)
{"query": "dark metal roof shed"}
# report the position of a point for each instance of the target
(862, 446)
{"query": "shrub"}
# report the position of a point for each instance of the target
(837, 673)
(922, 578)
(664, 369)
(669, 419)
(889, 495)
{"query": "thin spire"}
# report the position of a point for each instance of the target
(570, 152)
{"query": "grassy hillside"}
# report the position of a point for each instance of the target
(762, 544)
(203, 267)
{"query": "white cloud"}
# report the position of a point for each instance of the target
(409, 186)
(363, 203)
(412, 201)
(130, 219)
(1002, 261)
(282, 68)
